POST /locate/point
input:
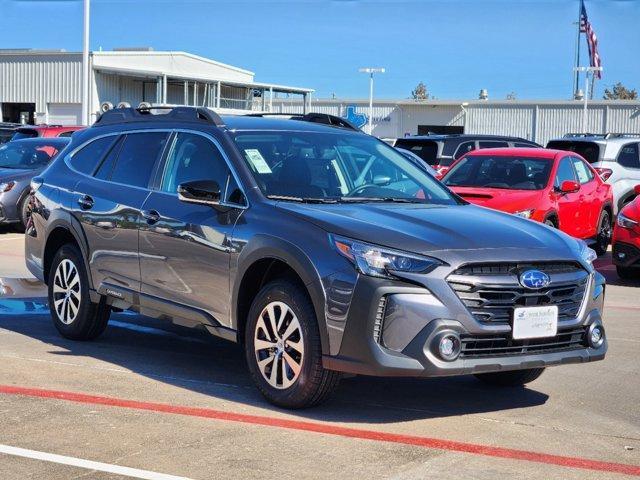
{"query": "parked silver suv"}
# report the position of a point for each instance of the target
(616, 157)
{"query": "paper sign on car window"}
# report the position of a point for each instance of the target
(257, 160)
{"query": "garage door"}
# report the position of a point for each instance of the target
(65, 114)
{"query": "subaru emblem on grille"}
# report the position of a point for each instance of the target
(534, 279)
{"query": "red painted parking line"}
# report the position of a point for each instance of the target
(328, 429)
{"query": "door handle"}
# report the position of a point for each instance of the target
(151, 216)
(85, 202)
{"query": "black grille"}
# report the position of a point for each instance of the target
(492, 291)
(503, 345)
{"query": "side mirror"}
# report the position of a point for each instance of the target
(381, 180)
(205, 192)
(636, 189)
(569, 187)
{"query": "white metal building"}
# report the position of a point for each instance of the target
(39, 86)
(534, 120)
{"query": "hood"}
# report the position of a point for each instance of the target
(12, 174)
(426, 229)
(510, 201)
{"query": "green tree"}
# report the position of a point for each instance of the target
(620, 92)
(420, 92)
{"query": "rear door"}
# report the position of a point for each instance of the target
(572, 216)
(185, 247)
(109, 203)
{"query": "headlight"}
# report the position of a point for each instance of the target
(524, 213)
(625, 222)
(586, 253)
(380, 261)
(7, 186)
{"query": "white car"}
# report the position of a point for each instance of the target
(615, 156)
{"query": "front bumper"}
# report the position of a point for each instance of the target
(402, 341)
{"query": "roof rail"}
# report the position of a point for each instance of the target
(622, 135)
(313, 117)
(143, 114)
(582, 135)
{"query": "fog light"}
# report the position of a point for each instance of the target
(449, 347)
(596, 336)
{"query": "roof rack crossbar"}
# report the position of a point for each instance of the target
(313, 117)
(180, 113)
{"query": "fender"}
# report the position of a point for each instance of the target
(265, 246)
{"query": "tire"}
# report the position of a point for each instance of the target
(77, 318)
(603, 238)
(628, 273)
(550, 223)
(514, 378)
(23, 209)
(297, 345)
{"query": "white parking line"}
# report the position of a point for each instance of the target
(88, 464)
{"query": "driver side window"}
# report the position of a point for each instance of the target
(565, 172)
(194, 157)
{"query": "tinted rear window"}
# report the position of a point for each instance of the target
(25, 133)
(427, 150)
(137, 158)
(590, 151)
(86, 159)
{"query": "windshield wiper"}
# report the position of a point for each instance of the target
(381, 199)
(290, 198)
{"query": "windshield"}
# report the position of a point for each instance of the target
(27, 156)
(335, 167)
(590, 151)
(513, 173)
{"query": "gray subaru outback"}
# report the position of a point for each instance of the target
(321, 250)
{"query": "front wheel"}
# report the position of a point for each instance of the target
(282, 348)
(603, 238)
(513, 378)
(74, 315)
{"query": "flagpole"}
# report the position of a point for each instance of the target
(576, 81)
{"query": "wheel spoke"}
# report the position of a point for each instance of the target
(75, 279)
(73, 309)
(293, 326)
(273, 378)
(59, 304)
(57, 288)
(297, 346)
(272, 320)
(263, 344)
(262, 364)
(262, 326)
(293, 365)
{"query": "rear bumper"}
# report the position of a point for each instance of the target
(407, 344)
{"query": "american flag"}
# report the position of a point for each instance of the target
(592, 40)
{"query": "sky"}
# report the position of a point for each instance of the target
(456, 47)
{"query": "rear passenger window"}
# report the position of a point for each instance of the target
(137, 157)
(628, 156)
(585, 175)
(492, 144)
(106, 167)
(463, 148)
(87, 159)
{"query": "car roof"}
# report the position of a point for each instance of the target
(55, 141)
(516, 151)
(248, 123)
(465, 136)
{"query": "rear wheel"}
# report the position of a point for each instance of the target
(282, 348)
(550, 222)
(24, 211)
(74, 315)
(603, 238)
(512, 378)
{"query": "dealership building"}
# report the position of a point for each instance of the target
(42, 86)
(534, 120)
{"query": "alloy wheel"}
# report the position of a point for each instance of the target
(66, 291)
(605, 232)
(278, 344)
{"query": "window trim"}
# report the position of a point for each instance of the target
(475, 145)
(163, 165)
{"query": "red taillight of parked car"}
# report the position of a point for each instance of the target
(604, 173)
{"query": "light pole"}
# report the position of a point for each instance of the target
(371, 71)
(587, 70)
(85, 65)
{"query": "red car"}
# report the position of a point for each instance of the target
(626, 239)
(555, 187)
(33, 131)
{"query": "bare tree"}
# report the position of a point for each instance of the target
(620, 92)
(420, 92)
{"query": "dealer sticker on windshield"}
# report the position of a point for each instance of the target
(535, 322)
(257, 160)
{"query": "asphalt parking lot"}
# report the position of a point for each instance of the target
(151, 401)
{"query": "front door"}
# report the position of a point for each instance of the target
(184, 247)
(589, 199)
(570, 212)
